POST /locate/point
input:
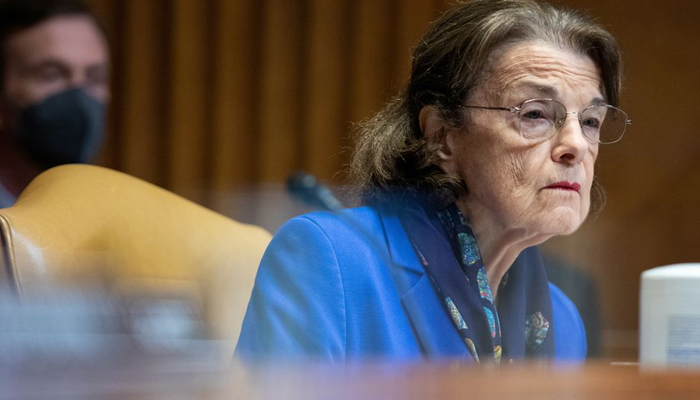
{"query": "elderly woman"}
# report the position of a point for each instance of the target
(488, 152)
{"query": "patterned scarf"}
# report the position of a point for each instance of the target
(519, 327)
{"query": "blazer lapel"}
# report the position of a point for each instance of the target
(434, 331)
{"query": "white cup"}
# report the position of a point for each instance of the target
(669, 319)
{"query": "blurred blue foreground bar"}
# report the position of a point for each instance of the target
(96, 326)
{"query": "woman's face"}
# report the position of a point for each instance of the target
(532, 186)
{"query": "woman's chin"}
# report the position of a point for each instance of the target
(561, 222)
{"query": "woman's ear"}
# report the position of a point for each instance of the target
(436, 131)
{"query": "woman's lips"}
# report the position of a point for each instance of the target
(564, 185)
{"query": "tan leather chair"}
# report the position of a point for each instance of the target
(87, 226)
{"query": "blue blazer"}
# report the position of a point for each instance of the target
(349, 285)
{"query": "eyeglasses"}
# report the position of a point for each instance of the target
(541, 118)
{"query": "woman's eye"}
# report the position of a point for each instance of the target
(591, 123)
(533, 114)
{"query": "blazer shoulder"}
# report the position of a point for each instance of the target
(346, 217)
(352, 225)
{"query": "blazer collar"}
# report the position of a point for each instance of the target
(400, 249)
(434, 331)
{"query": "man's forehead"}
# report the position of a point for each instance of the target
(75, 39)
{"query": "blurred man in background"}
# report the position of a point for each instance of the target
(54, 64)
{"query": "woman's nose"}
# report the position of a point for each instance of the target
(570, 143)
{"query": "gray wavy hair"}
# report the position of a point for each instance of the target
(392, 156)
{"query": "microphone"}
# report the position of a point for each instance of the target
(306, 187)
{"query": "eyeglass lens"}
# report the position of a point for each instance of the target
(602, 123)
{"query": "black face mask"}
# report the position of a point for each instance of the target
(65, 128)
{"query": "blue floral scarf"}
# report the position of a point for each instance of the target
(519, 325)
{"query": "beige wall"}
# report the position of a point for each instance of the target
(218, 95)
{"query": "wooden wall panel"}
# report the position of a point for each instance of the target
(413, 18)
(371, 64)
(282, 92)
(189, 99)
(327, 102)
(235, 97)
(139, 96)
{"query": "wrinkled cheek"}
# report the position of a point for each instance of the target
(590, 174)
(585, 205)
(515, 170)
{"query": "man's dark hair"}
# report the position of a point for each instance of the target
(19, 15)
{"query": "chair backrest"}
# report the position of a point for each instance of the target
(85, 225)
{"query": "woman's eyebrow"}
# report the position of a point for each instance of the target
(544, 90)
(548, 91)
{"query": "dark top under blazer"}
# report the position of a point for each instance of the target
(347, 286)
